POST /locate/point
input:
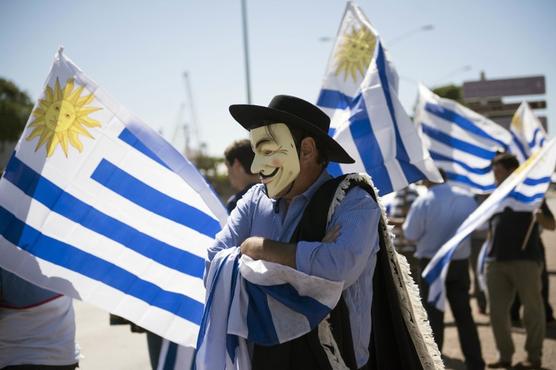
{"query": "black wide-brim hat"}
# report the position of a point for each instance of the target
(295, 113)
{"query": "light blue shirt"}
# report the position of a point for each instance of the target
(16, 292)
(434, 218)
(351, 258)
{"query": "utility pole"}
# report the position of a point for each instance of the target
(246, 50)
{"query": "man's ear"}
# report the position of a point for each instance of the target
(237, 165)
(308, 149)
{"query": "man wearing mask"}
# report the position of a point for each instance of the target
(329, 228)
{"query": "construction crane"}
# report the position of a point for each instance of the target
(180, 128)
(187, 126)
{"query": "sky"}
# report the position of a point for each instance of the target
(139, 50)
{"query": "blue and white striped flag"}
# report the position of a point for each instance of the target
(97, 206)
(460, 141)
(523, 190)
(260, 302)
(360, 95)
(527, 132)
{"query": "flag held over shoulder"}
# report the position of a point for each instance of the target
(97, 206)
(523, 190)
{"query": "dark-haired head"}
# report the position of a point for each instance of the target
(503, 164)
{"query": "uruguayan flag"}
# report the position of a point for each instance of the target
(460, 141)
(527, 132)
(260, 302)
(523, 190)
(95, 205)
(348, 64)
(360, 95)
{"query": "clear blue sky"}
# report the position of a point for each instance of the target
(138, 50)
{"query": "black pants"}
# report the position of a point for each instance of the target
(457, 294)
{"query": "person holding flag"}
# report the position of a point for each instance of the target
(515, 264)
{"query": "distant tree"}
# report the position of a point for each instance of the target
(15, 108)
(209, 166)
(451, 91)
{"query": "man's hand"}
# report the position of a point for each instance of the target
(253, 247)
(260, 248)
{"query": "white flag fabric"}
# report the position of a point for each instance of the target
(97, 206)
(527, 132)
(359, 93)
(523, 190)
(460, 141)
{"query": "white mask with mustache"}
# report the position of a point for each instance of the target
(276, 159)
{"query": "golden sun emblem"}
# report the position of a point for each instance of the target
(61, 116)
(355, 53)
(516, 121)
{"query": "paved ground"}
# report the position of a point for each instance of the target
(116, 348)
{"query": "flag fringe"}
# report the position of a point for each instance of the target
(414, 313)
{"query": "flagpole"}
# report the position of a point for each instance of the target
(529, 230)
(246, 49)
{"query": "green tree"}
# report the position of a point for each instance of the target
(15, 108)
(208, 166)
(451, 91)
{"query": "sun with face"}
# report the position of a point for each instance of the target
(61, 116)
(355, 53)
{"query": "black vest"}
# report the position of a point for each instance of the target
(390, 345)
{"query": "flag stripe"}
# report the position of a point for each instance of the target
(209, 301)
(259, 318)
(153, 200)
(518, 144)
(538, 181)
(74, 259)
(410, 172)
(334, 169)
(525, 198)
(461, 121)
(532, 143)
(467, 181)
(309, 307)
(170, 359)
(65, 204)
(464, 146)
(128, 137)
(436, 271)
(368, 147)
(477, 170)
(333, 99)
